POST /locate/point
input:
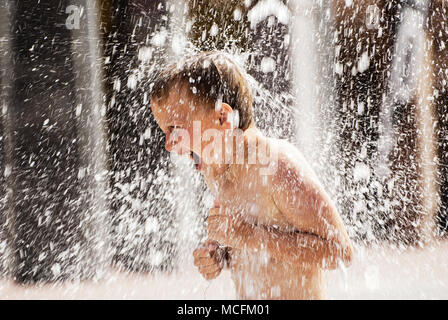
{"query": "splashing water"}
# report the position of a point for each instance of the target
(321, 79)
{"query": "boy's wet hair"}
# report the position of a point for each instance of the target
(211, 76)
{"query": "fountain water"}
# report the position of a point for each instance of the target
(54, 152)
(87, 181)
(5, 78)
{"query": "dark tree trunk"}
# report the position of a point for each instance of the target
(437, 18)
(135, 142)
(52, 219)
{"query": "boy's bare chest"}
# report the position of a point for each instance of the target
(248, 195)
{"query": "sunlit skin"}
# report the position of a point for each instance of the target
(282, 228)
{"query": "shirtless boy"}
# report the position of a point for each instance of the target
(273, 224)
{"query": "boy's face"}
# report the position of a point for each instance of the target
(179, 113)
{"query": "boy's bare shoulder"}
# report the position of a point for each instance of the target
(291, 164)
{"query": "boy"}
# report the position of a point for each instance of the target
(272, 224)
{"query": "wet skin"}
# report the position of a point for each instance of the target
(282, 228)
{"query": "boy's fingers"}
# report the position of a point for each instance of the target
(210, 276)
(200, 260)
(209, 269)
(201, 252)
(204, 261)
(214, 257)
(206, 247)
(205, 251)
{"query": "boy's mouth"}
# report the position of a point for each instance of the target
(197, 160)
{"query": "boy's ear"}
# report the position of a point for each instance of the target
(225, 116)
(226, 107)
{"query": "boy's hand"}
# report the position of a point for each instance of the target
(209, 258)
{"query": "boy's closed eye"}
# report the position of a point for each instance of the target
(173, 134)
(172, 128)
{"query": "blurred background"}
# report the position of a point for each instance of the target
(88, 193)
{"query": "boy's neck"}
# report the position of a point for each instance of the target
(240, 143)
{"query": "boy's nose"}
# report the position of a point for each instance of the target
(169, 144)
(171, 141)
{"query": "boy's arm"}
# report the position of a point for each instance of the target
(303, 202)
(290, 247)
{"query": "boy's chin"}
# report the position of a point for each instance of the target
(198, 166)
(196, 160)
